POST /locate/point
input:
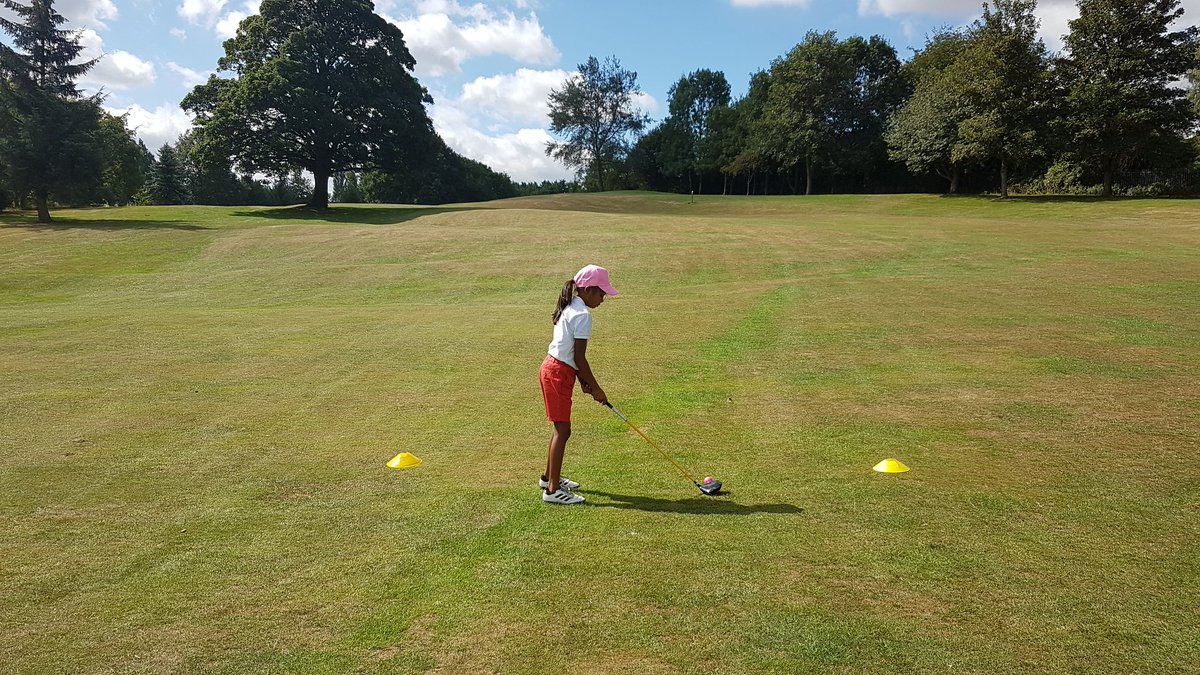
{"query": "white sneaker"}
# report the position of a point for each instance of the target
(561, 496)
(563, 483)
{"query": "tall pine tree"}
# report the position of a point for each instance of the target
(48, 132)
(167, 185)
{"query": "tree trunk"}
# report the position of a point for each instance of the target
(1108, 181)
(749, 182)
(598, 173)
(955, 171)
(808, 167)
(43, 206)
(724, 184)
(320, 195)
(1003, 179)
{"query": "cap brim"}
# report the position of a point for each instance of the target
(608, 289)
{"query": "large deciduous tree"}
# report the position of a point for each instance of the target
(693, 101)
(127, 162)
(1123, 60)
(597, 116)
(48, 131)
(828, 103)
(923, 132)
(1005, 80)
(877, 88)
(808, 89)
(747, 153)
(320, 85)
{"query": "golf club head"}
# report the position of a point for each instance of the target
(711, 488)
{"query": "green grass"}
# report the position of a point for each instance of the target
(197, 405)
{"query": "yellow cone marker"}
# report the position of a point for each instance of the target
(404, 460)
(890, 466)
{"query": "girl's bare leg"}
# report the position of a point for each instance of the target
(554, 456)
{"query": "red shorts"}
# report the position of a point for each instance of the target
(558, 382)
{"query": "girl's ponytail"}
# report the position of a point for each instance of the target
(564, 299)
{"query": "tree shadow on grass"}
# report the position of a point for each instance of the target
(21, 221)
(701, 506)
(368, 215)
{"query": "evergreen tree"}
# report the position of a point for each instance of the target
(166, 186)
(48, 142)
(1122, 105)
(49, 51)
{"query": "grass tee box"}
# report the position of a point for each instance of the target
(198, 404)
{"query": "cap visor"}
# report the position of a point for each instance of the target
(608, 289)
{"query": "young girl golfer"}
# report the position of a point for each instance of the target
(567, 361)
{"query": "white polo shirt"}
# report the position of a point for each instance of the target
(575, 323)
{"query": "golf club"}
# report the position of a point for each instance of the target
(710, 487)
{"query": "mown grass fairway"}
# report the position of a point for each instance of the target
(198, 403)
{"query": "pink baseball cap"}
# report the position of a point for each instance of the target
(594, 275)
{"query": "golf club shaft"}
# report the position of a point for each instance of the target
(668, 457)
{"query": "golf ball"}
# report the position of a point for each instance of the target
(708, 480)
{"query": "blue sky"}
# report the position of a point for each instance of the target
(489, 65)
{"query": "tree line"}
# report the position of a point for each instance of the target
(325, 89)
(982, 108)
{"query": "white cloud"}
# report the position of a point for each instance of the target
(953, 8)
(86, 13)
(116, 70)
(165, 124)
(520, 154)
(217, 15)
(178, 33)
(122, 70)
(1055, 17)
(646, 103)
(228, 25)
(443, 34)
(191, 78)
(203, 12)
(517, 97)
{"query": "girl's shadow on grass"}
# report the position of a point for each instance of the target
(702, 506)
